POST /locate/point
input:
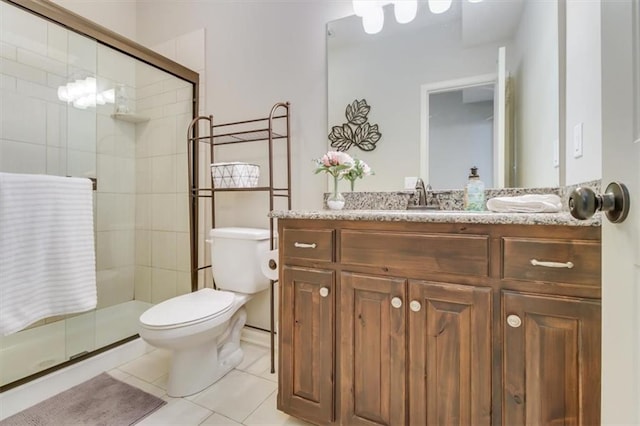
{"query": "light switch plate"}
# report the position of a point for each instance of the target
(577, 140)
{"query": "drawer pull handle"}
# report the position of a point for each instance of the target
(415, 306)
(324, 292)
(305, 245)
(567, 265)
(514, 321)
(396, 302)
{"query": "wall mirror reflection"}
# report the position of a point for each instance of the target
(395, 69)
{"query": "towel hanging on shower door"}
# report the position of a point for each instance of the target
(47, 254)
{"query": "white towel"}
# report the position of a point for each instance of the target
(530, 203)
(47, 255)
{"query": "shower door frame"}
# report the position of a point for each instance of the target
(78, 24)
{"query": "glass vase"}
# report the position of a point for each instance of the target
(335, 201)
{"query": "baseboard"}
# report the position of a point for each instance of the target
(255, 337)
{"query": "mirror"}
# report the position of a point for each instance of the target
(514, 46)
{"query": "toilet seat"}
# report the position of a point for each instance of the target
(188, 309)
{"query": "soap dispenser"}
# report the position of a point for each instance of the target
(474, 192)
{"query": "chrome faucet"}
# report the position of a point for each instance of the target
(422, 192)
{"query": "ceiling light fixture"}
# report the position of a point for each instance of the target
(372, 13)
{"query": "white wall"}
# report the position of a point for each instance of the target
(119, 16)
(460, 137)
(584, 90)
(248, 71)
(537, 55)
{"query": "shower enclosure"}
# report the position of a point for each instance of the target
(73, 105)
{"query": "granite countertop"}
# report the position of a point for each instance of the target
(440, 216)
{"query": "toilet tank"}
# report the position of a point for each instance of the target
(235, 258)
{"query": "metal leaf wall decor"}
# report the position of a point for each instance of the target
(356, 131)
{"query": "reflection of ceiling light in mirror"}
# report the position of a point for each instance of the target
(405, 10)
(439, 6)
(475, 1)
(363, 7)
(373, 21)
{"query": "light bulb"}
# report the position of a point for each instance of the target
(373, 21)
(439, 6)
(405, 10)
(362, 7)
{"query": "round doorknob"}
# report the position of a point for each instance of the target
(583, 202)
(324, 292)
(415, 306)
(396, 302)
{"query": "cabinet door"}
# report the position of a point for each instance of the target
(372, 350)
(551, 360)
(449, 354)
(306, 340)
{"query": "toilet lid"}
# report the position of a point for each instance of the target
(189, 308)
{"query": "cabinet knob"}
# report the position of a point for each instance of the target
(514, 321)
(415, 306)
(324, 292)
(396, 302)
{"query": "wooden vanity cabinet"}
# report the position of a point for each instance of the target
(414, 325)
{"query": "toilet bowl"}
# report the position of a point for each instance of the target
(202, 329)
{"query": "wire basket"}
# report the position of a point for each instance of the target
(235, 175)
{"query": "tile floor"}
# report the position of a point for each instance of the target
(245, 396)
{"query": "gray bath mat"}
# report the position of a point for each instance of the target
(102, 400)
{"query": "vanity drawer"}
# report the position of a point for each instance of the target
(563, 261)
(308, 244)
(420, 253)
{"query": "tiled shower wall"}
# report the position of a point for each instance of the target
(141, 217)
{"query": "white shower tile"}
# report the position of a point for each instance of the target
(125, 139)
(163, 284)
(37, 91)
(143, 211)
(56, 125)
(182, 128)
(183, 283)
(161, 136)
(81, 163)
(183, 254)
(182, 174)
(23, 119)
(82, 129)
(18, 157)
(108, 173)
(163, 174)
(56, 161)
(116, 66)
(142, 288)
(8, 51)
(106, 135)
(57, 40)
(143, 175)
(84, 55)
(236, 395)
(182, 107)
(143, 247)
(163, 250)
(42, 61)
(163, 212)
(126, 175)
(23, 29)
(147, 90)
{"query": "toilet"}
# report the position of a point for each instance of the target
(202, 329)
